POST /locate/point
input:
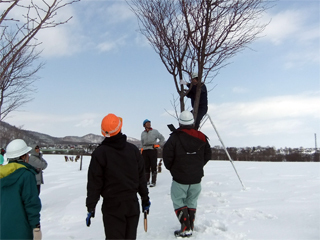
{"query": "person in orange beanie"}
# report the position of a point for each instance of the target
(116, 172)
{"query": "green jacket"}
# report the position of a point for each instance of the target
(20, 204)
(1, 159)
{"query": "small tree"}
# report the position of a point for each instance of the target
(198, 35)
(20, 22)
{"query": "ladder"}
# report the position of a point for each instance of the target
(205, 118)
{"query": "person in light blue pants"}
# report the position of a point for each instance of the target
(185, 154)
(185, 195)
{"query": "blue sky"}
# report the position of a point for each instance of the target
(99, 63)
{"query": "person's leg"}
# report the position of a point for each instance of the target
(154, 160)
(145, 155)
(114, 220)
(39, 187)
(192, 217)
(178, 196)
(201, 113)
(183, 217)
(193, 193)
(133, 214)
(191, 201)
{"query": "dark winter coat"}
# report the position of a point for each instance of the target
(185, 154)
(20, 204)
(203, 102)
(116, 172)
(36, 160)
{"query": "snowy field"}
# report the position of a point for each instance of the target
(281, 201)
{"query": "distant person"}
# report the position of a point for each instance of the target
(36, 160)
(151, 139)
(2, 156)
(203, 102)
(20, 203)
(116, 172)
(185, 154)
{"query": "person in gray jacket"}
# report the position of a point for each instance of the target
(36, 160)
(151, 139)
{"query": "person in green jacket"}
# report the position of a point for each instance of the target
(20, 203)
(2, 156)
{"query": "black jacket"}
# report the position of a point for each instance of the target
(203, 102)
(185, 154)
(116, 172)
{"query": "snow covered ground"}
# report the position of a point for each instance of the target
(281, 201)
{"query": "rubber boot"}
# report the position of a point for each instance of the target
(153, 179)
(183, 216)
(192, 216)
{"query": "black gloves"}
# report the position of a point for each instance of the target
(89, 216)
(146, 205)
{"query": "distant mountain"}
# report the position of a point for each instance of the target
(9, 132)
(89, 138)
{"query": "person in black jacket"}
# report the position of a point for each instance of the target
(116, 172)
(185, 154)
(203, 102)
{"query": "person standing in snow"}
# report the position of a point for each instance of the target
(36, 160)
(2, 156)
(203, 102)
(20, 203)
(151, 139)
(185, 154)
(116, 172)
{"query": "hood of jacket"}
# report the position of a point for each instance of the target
(11, 172)
(118, 141)
(191, 139)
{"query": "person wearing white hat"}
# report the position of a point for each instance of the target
(20, 204)
(185, 154)
(203, 101)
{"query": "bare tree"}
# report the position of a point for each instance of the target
(162, 24)
(198, 35)
(16, 83)
(20, 22)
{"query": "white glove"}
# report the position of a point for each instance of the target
(37, 235)
(182, 82)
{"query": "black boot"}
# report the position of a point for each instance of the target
(153, 179)
(183, 216)
(192, 216)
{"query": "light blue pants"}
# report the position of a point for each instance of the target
(185, 195)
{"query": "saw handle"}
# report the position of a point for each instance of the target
(145, 221)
